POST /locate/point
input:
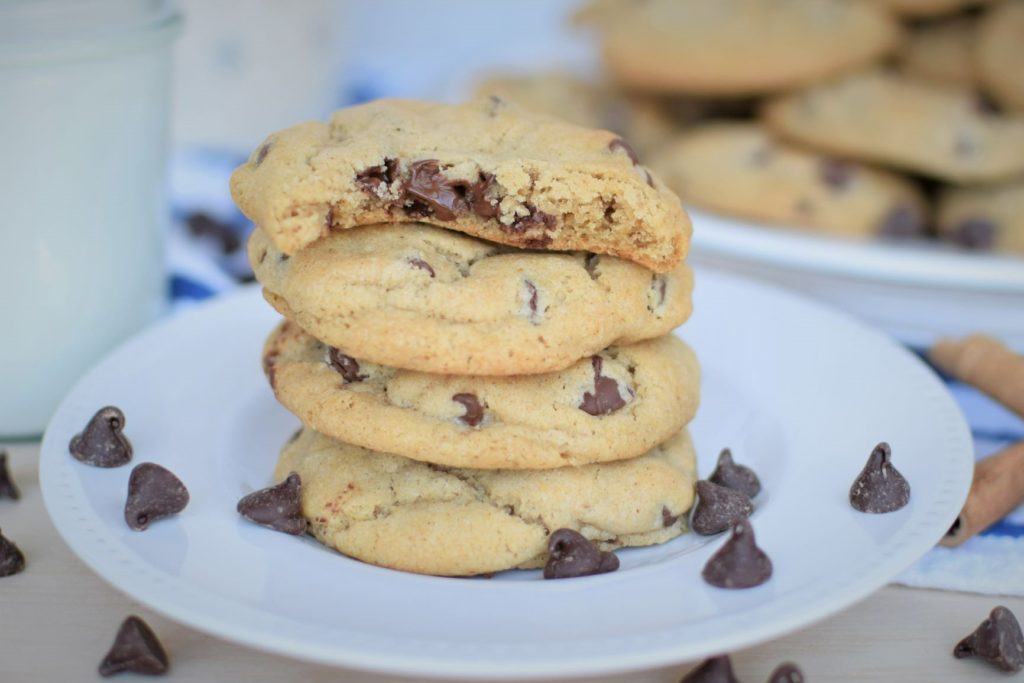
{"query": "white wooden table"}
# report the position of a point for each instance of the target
(57, 620)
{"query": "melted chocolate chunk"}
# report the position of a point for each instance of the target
(619, 143)
(739, 563)
(203, 225)
(975, 233)
(477, 195)
(533, 221)
(836, 173)
(422, 265)
(718, 508)
(606, 397)
(737, 477)
(570, 555)
(7, 487)
(136, 649)
(428, 192)
(153, 493)
(102, 443)
(346, 366)
(713, 670)
(262, 153)
(997, 640)
(474, 411)
(901, 222)
(880, 487)
(11, 559)
(787, 673)
(277, 507)
(370, 179)
(667, 518)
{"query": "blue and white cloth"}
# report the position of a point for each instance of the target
(205, 264)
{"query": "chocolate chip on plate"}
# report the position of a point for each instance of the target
(713, 670)
(607, 395)
(737, 477)
(11, 559)
(7, 487)
(153, 492)
(787, 673)
(570, 555)
(997, 640)
(136, 649)
(879, 487)
(739, 563)
(718, 508)
(102, 443)
(277, 507)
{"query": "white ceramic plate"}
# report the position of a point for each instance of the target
(800, 393)
(917, 292)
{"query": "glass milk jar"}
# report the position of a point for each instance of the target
(84, 101)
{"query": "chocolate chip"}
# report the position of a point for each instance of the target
(902, 221)
(136, 649)
(997, 640)
(737, 477)
(102, 443)
(370, 179)
(713, 670)
(203, 225)
(739, 563)
(7, 487)
(478, 196)
(975, 233)
(880, 487)
(718, 508)
(11, 559)
(346, 366)
(533, 221)
(422, 265)
(474, 411)
(531, 300)
(277, 507)
(262, 153)
(570, 555)
(656, 297)
(787, 673)
(606, 397)
(428, 192)
(836, 173)
(590, 263)
(619, 143)
(667, 518)
(153, 493)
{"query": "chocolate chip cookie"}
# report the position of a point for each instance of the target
(486, 168)
(941, 52)
(737, 168)
(614, 405)
(413, 516)
(424, 298)
(739, 47)
(1000, 53)
(984, 218)
(877, 116)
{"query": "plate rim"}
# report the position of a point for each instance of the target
(410, 664)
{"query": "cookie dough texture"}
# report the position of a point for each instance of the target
(486, 168)
(739, 47)
(1000, 53)
(885, 118)
(424, 298)
(984, 218)
(737, 168)
(412, 516)
(941, 52)
(612, 406)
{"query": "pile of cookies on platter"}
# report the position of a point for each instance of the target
(851, 118)
(478, 307)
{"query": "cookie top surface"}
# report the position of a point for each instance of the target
(877, 116)
(927, 8)
(737, 168)
(391, 511)
(614, 405)
(486, 168)
(740, 47)
(423, 298)
(1000, 53)
(984, 218)
(941, 52)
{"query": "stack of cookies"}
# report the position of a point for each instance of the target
(479, 304)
